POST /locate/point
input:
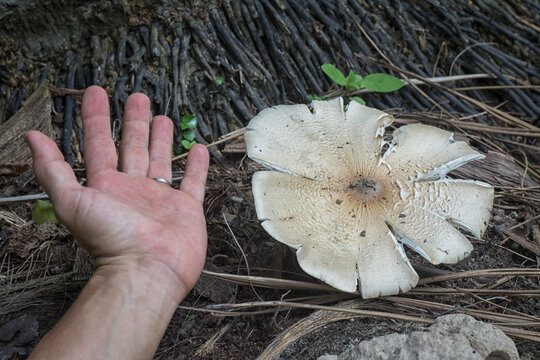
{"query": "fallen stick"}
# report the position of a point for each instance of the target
(23, 198)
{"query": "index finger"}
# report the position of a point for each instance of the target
(194, 179)
(100, 152)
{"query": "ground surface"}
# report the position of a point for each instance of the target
(269, 53)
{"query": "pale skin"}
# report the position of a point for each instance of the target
(148, 240)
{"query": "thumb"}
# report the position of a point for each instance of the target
(52, 172)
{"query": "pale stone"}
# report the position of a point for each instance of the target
(452, 337)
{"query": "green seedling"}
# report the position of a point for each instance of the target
(377, 82)
(315, 97)
(358, 99)
(191, 317)
(43, 212)
(351, 83)
(382, 82)
(188, 144)
(220, 80)
(188, 125)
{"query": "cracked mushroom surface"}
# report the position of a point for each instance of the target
(348, 207)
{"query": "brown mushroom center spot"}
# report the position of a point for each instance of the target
(365, 189)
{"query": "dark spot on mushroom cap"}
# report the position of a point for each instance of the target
(363, 184)
(402, 215)
(338, 201)
(363, 233)
(365, 189)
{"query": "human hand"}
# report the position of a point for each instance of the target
(124, 219)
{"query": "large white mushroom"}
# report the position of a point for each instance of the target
(347, 207)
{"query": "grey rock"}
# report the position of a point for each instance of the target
(328, 357)
(452, 337)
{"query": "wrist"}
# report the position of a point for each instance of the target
(122, 313)
(140, 277)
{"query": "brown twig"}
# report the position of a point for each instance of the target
(294, 305)
(501, 115)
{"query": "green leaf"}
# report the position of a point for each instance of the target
(189, 134)
(43, 212)
(354, 81)
(358, 99)
(177, 150)
(188, 117)
(522, 277)
(189, 121)
(334, 74)
(191, 317)
(382, 83)
(188, 144)
(220, 80)
(315, 97)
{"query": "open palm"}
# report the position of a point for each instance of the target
(125, 218)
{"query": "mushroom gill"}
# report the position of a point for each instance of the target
(348, 208)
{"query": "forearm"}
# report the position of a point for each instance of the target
(148, 240)
(120, 314)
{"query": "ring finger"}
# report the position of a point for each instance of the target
(161, 142)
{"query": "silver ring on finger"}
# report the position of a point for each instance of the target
(162, 180)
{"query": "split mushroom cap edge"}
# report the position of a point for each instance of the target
(347, 207)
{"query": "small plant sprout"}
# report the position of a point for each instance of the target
(375, 82)
(348, 204)
(188, 125)
(315, 97)
(43, 212)
(220, 80)
(351, 83)
(358, 99)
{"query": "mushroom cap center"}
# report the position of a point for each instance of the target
(365, 189)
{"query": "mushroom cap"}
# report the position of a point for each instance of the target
(348, 208)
